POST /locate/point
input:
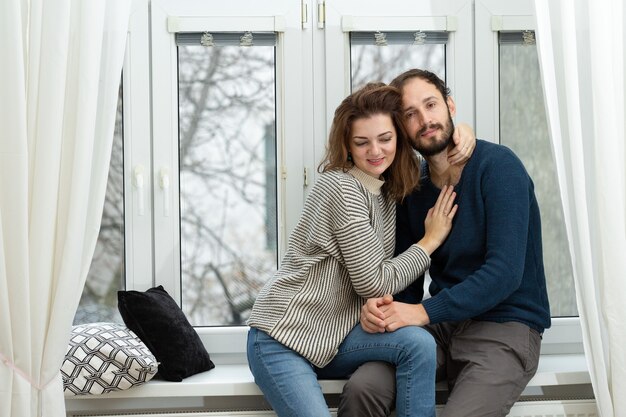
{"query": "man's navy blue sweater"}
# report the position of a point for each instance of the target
(491, 265)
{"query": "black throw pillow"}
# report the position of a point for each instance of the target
(158, 321)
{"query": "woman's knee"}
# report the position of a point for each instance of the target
(418, 342)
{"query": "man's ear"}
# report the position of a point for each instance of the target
(451, 106)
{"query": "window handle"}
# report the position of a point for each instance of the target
(164, 182)
(138, 180)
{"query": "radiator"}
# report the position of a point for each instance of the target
(572, 408)
(569, 408)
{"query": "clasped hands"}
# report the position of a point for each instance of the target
(382, 314)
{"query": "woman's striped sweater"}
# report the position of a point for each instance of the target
(339, 254)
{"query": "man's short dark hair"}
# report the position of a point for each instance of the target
(425, 75)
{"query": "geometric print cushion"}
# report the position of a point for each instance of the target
(104, 357)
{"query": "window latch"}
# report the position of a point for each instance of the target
(138, 180)
(164, 182)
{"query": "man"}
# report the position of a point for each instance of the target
(489, 304)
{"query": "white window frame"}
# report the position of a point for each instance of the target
(492, 16)
(137, 136)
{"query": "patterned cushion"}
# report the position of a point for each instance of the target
(104, 357)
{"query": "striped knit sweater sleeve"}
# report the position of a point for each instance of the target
(339, 253)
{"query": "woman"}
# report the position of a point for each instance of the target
(304, 324)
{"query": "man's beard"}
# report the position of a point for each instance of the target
(438, 145)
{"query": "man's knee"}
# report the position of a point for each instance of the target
(370, 391)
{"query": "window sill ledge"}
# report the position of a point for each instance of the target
(236, 380)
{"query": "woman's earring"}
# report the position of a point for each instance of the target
(349, 157)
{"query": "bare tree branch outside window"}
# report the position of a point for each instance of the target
(383, 63)
(227, 157)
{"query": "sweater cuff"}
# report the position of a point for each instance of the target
(436, 309)
(422, 255)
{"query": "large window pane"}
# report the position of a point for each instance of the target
(227, 145)
(524, 128)
(106, 273)
(377, 56)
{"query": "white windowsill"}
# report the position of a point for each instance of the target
(236, 380)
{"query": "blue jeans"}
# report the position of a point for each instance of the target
(289, 381)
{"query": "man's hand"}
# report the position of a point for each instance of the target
(383, 314)
(464, 141)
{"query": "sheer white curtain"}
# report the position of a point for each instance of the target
(582, 49)
(60, 72)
